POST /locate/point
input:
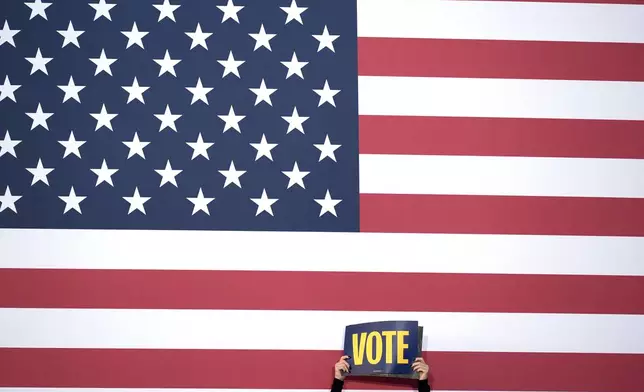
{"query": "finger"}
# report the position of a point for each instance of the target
(345, 357)
(345, 363)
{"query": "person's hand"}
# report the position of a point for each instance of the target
(341, 366)
(421, 368)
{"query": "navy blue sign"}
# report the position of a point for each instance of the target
(382, 348)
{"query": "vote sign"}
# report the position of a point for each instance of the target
(382, 347)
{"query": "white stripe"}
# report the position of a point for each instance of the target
(529, 21)
(305, 251)
(503, 176)
(314, 330)
(524, 98)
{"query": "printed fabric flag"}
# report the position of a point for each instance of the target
(203, 194)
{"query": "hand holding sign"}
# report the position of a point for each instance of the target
(342, 368)
(420, 367)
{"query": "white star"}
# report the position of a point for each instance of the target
(327, 204)
(262, 39)
(168, 174)
(6, 35)
(294, 66)
(71, 90)
(326, 40)
(38, 9)
(264, 203)
(72, 201)
(200, 202)
(263, 148)
(7, 146)
(135, 36)
(135, 91)
(8, 200)
(104, 174)
(70, 35)
(293, 12)
(199, 92)
(263, 93)
(40, 173)
(39, 118)
(232, 175)
(39, 63)
(231, 65)
(326, 94)
(103, 63)
(295, 176)
(167, 64)
(7, 89)
(200, 147)
(295, 121)
(198, 37)
(136, 202)
(327, 149)
(103, 119)
(232, 120)
(102, 9)
(167, 119)
(166, 10)
(71, 146)
(230, 11)
(136, 146)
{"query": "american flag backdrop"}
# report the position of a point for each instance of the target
(201, 194)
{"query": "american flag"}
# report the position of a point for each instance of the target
(201, 194)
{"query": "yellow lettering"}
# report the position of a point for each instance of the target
(358, 348)
(389, 345)
(372, 345)
(374, 336)
(402, 346)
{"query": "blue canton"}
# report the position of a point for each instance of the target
(168, 114)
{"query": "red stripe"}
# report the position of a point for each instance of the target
(501, 215)
(501, 137)
(310, 369)
(136, 289)
(500, 59)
